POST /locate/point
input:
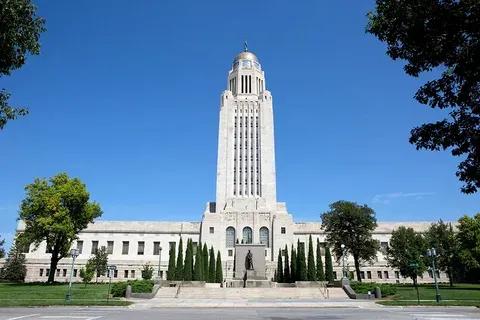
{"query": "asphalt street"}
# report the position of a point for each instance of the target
(116, 313)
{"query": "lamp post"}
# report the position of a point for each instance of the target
(74, 253)
(433, 254)
(343, 261)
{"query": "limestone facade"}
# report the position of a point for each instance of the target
(245, 211)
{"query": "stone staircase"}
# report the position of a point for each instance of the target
(251, 293)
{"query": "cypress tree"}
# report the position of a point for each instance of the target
(320, 272)
(293, 266)
(279, 266)
(197, 269)
(311, 273)
(275, 276)
(171, 264)
(188, 266)
(328, 265)
(205, 262)
(286, 270)
(301, 264)
(179, 267)
(211, 267)
(218, 269)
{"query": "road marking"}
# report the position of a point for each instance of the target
(21, 317)
(68, 317)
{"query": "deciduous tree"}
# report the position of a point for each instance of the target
(19, 33)
(405, 252)
(99, 262)
(442, 237)
(55, 211)
(352, 225)
(469, 242)
(440, 37)
(86, 274)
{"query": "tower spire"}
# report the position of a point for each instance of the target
(245, 46)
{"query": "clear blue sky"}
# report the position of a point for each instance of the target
(125, 95)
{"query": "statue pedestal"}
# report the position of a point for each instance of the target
(254, 275)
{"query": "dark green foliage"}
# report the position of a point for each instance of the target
(188, 266)
(119, 289)
(198, 268)
(286, 270)
(319, 267)
(205, 263)
(179, 266)
(352, 225)
(87, 274)
(469, 244)
(141, 286)
(440, 38)
(14, 268)
(279, 267)
(20, 31)
(441, 237)
(219, 269)
(171, 264)
(301, 271)
(405, 252)
(293, 266)
(147, 271)
(98, 263)
(55, 211)
(311, 272)
(2, 249)
(386, 288)
(328, 265)
(211, 267)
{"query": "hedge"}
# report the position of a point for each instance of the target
(138, 286)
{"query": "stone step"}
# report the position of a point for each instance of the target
(250, 293)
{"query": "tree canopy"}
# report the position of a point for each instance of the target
(444, 36)
(20, 30)
(352, 225)
(469, 241)
(55, 211)
(442, 237)
(405, 252)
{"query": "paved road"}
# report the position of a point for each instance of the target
(93, 313)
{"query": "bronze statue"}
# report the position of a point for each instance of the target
(249, 261)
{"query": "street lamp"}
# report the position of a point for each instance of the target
(74, 253)
(343, 261)
(433, 254)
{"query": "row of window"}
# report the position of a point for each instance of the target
(247, 236)
(125, 247)
(63, 273)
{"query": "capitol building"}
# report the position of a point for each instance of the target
(246, 210)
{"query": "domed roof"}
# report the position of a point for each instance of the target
(245, 55)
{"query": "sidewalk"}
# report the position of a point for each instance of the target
(246, 303)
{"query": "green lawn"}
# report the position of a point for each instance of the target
(13, 294)
(458, 295)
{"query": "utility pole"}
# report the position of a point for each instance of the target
(433, 254)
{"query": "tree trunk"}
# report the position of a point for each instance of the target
(357, 267)
(450, 276)
(53, 266)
